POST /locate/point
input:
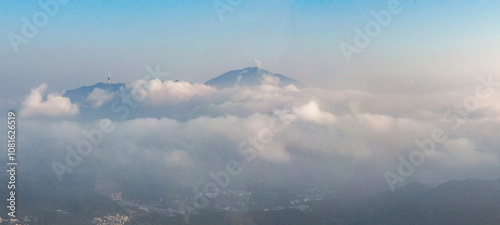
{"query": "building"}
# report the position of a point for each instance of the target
(116, 196)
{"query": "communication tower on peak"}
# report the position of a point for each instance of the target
(109, 78)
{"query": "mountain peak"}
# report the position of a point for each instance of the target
(79, 94)
(251, 76)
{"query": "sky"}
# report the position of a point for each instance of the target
(359, 113)
(440, 44)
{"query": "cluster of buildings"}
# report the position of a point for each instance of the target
(116, 196)
(22, 221)
(111, 220)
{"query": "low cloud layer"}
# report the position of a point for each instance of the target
(37, 103)
(179, 132)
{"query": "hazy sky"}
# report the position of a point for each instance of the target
(363, 114)
(428, 46)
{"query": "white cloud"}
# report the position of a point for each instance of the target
(158, 92)
(177, 158)
(258, 63)
(98, 97)
(269, 80)
(312, 112)
(54, 105)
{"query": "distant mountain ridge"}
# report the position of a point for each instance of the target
(247, 77)
(81, 93)
(250, 76)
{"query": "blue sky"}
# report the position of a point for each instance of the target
(429, 46)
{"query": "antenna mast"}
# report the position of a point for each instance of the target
(109, 78)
